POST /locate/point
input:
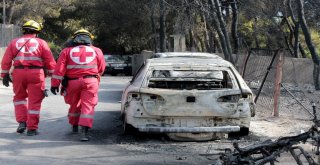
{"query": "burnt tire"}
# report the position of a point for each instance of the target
(244, 131)
(127, 129)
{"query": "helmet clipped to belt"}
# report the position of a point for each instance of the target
(32, 25)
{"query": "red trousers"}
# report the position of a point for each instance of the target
(82, 96)
(28, 87)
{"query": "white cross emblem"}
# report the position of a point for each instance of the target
(29, 47)
(82, 54)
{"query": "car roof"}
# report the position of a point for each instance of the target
(185, 54)
(190, 58)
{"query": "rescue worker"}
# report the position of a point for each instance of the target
(79, 68)
(29, 55)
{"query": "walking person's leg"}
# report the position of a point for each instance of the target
(89, 99)
(36, 87)
(20, 99)
(72, 97)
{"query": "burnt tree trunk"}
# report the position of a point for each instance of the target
(11, 11)
(254, 27)
(212, 44)
(309, 43)
(208, 31)
(192, 42)
(153, 27)
(234, 27)
(162, 27)
(290, 38)
(223, 27)
(297, 45)
(224, 40)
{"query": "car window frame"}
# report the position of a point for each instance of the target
(233, 77)
(137, 73)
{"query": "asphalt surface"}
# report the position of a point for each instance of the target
(55, 143)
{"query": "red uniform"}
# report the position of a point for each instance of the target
(29, 55)
(82, 65)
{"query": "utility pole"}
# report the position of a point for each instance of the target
(4, 12)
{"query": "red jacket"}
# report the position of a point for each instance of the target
(27, 51)
(78, 61)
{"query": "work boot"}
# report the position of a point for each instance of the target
(75, 129)
(22, 127)
(84, 133)
(32, 132)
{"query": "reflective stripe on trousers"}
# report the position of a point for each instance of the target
(86, 116)
(74, 114)
(23, 102)
(34, 112)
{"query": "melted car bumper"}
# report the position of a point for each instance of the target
(224, 129)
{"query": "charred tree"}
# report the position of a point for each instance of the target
(217, 19)
(11, 11)
(254, 26)
(190, 30)
(234, 27)
(297, 45)
(309, 42)
(162, 27)
(153, 26)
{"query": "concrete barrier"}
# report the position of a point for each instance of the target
(138, 59)
(2, 50)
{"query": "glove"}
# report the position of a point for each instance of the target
(6, 79)
(64, 82)
(54, 90)
(63, 89)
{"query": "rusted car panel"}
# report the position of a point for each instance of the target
(194, 96)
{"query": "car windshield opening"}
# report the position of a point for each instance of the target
(195, 79)
(113, 58)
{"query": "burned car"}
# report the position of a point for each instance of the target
(188, 96)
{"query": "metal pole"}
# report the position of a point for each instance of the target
(277, 84)
(4, 12)
(244, 67)
(304, 107)
(266, 75)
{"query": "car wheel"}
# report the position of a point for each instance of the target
(244, 131)
(127, 128)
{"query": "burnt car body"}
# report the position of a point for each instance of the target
(188, 96)
(116, 64)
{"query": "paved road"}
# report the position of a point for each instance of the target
(56, 145)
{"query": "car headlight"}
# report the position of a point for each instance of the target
(133, 96)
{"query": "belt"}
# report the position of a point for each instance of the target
(87, 76)
(28, 67)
